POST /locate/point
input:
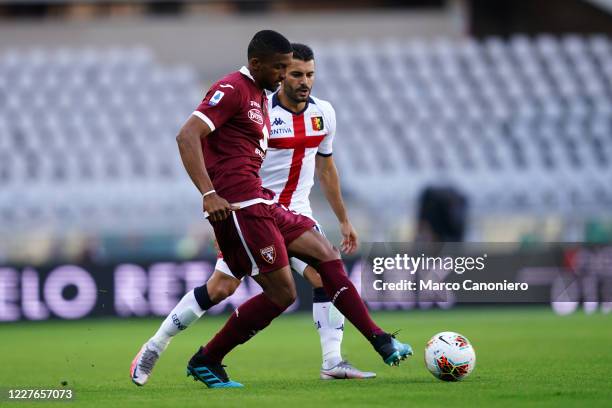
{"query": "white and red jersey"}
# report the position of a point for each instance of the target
(295, 140)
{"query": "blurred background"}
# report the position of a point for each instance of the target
(476, 120)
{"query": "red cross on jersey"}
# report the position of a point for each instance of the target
(295, 140)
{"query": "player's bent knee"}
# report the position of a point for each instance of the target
(329, 253)
(291, 297)
(283, 297)
(217, 294)
(229, 290)
(288, 297)
(324, 251)
(221, 289)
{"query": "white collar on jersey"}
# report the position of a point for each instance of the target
(245, 71)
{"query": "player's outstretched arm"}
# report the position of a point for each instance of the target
(330, 184)
(189, 142)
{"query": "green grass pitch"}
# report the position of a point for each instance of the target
(526, 357)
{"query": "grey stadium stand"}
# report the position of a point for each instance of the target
(87, 136)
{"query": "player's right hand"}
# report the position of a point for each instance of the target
(217, 208)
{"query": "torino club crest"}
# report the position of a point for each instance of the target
(268, 254)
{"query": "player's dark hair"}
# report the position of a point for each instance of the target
(266, 43)
(302, 52)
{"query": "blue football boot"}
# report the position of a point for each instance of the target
(213, 375)
(391, 350)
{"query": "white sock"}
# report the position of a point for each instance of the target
(330, 324)
(184, 313)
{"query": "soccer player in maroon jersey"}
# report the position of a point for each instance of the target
(222, 146)
(303, 129)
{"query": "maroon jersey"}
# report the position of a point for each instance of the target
(235, 110)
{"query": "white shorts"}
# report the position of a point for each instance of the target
(296, 264)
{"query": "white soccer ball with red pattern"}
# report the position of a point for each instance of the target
(450, 356)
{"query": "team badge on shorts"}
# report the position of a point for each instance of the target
(268, 254)
(317, 123)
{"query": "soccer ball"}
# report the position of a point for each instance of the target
(449, 356)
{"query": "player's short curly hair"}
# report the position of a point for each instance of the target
(266, 43)
(302, 52)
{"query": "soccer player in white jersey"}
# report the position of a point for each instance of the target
(300, 145)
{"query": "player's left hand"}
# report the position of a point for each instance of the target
(350, 241)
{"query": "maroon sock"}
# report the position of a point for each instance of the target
(249, 318)
(346, 298)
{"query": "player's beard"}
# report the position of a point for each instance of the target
(296, 97)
